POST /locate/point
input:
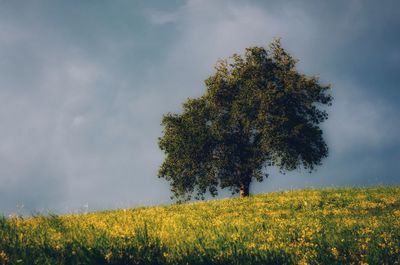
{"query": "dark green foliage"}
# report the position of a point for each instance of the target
(257, 111)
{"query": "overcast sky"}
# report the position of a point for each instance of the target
(84, 84)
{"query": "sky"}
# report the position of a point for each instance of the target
(84, 85)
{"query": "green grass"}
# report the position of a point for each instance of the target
(323, 226)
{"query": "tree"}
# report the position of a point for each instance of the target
(257, 111)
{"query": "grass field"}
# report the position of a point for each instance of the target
(325, 226)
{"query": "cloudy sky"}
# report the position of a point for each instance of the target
(83, 86)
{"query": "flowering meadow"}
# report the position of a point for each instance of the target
(312, 226)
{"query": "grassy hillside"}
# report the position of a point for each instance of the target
(328, 226)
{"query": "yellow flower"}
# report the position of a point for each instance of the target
(108, 256)
(251, 245)
(3, 256)
(263, 247)
(335, 252)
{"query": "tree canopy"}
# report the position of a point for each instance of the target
(257, 111)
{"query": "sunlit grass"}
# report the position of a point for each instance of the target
(328, 226)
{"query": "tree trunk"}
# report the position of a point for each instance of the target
(244, 190)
